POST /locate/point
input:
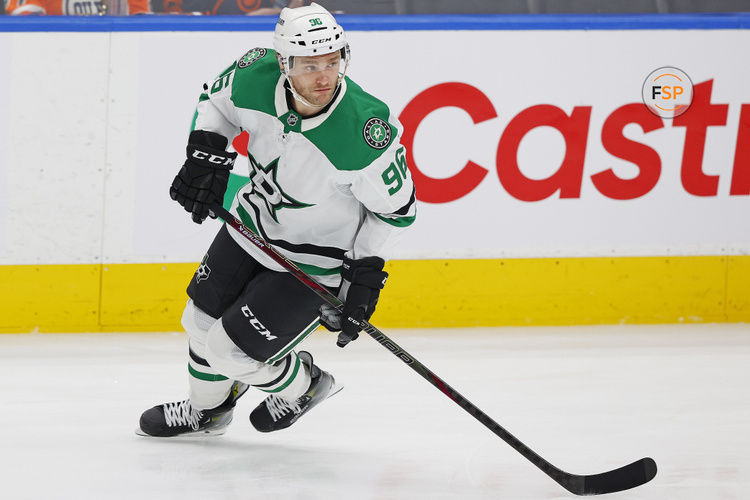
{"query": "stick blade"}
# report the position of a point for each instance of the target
(626, 477)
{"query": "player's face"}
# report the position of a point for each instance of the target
(315, 78)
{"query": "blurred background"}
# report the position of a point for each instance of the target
(271, 7)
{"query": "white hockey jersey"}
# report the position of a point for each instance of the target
(320, 187)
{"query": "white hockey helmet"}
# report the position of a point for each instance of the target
(308, 31)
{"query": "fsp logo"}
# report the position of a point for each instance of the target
(257, 324)
(667, 92)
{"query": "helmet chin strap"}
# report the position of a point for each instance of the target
(304, 101)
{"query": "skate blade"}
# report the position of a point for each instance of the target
(335, 389)
(201, 434)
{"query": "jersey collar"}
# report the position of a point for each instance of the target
(282, 108)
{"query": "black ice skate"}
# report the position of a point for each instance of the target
(275, 413)
(180, 418)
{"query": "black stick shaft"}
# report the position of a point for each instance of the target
(616, 480)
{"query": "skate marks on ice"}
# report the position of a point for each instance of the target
(587, 399)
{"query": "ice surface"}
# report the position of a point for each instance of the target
(588, 399)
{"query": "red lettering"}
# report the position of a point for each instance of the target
(460, 95)
(696, 120)
(741, 170)
(645, 158)
(567, 179)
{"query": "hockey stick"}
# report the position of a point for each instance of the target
(626, 477)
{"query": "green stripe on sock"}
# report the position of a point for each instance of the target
(289, 381)
(205, 376)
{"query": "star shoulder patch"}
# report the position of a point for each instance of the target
(377, 133)
(251, 56)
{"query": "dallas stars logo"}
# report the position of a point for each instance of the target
(203, 271)
(377, 133)
(251, 56)
(268, 189)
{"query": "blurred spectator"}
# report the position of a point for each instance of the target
(76, 7)
(125, 7)
(225, 7)
(273, 7)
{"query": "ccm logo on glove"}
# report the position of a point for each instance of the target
(203, 178)
(212, 158)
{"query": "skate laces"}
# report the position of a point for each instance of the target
(278, 407)
(182, 413)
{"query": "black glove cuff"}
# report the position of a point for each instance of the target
(367, 271)
(369, 278)
(210, 139)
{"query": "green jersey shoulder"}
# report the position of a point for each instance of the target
(251, 80)
(255, 77)
(357, 132)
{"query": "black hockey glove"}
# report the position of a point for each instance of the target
(362, 281)
(203, 178)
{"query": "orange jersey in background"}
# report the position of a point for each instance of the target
(224, 7)
(69, 7)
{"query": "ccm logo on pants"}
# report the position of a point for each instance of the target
(257, 324)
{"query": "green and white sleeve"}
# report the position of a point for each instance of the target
(386, 189)
(215, 111)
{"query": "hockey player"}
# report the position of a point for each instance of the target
(329, 189)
